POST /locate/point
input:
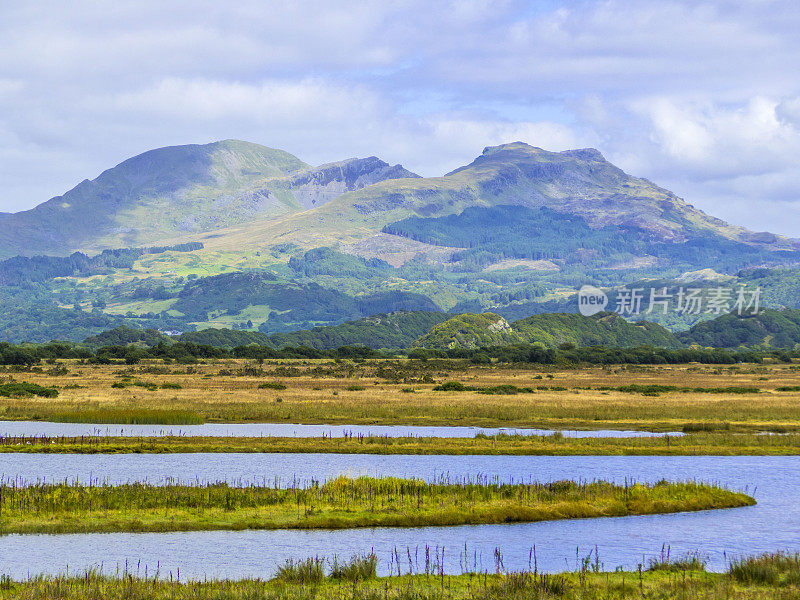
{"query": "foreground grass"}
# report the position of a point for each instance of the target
(394, 392)
(767, 577)
(338, 504)
(696, 444)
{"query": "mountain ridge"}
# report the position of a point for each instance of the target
(509, 174)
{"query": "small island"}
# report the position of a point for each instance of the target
(340, 503)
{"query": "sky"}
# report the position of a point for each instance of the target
(701, 97)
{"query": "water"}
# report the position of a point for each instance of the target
(48, 429)
(773, 524)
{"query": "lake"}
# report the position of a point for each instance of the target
(49, 429)
(773, 524)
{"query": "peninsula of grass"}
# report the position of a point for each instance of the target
(757, 578)
(341, 503)
(707, 441)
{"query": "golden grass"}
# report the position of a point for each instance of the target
(320, 395)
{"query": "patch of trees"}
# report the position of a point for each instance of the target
(494, 233)
(326, 261)
(290, 303)
(770, 328)
(396, 330)
(21, 270)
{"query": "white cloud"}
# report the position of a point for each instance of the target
(699, 96)
(715, 141)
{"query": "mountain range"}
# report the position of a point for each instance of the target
(234, 234)
(237, 189)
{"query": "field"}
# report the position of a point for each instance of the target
(737, 398)
(338, 504)
(759, 578)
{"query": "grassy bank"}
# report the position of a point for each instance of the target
(338, 504)
(761, 578)
(395, 392)
(695, 444)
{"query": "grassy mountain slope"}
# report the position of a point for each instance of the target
(492, 234)
(172, 191)
(289, 305)
(150, 196)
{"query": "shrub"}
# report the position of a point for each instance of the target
(777, 569)
(688, 562)
(306, 571)
(23, 389)
(359, 568)
(451, 386)
(271, 385)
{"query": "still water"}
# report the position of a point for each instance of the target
(44, 428)
(773, 524)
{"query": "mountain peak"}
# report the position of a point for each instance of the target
(521, 150)
(589, 154)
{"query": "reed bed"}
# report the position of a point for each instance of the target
(708, 441)
(337, 504)
(313, 579)
(130, 416)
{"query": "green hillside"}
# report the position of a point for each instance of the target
(578, 182)
(125, 336)
(158, 194)
(470, 331)
(223, 338)
(396, 330)
(492, 234)
(770, 328)
(251, 239)
(602, 329)
(550, 330)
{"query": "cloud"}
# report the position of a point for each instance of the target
(701, 97)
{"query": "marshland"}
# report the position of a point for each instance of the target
(153, 487)
(740, 397)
